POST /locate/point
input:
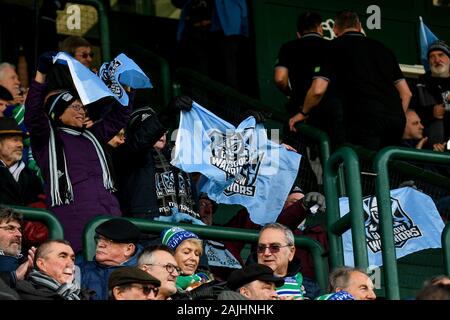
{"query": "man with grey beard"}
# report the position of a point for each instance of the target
(13, 265)
(18, 184)
(432, 97)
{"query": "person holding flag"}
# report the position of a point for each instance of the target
(78, 182)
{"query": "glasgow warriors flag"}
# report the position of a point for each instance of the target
(416, 221)
(123, 71)
(242, 165)
(426, 39)
(89, 86)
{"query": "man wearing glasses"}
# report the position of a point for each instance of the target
(131, 283)
(276, 250)
(117, 246)
(158, 261)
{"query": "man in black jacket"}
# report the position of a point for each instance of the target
(148, 185)
(369, 83)
(54, 275)
(18, 184)
(432, 95)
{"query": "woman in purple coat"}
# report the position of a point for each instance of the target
(78, 183)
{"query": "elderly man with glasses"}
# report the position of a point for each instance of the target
(158, 261)
(117, 246)
(276, 250)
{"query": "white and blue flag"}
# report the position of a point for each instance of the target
(416, 222)
(89, 86)
(123, 71)
(242, 165)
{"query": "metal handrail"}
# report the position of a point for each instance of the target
(355, 218)
(103, 21)
(55, 229)
(445, 238)
(382, 186)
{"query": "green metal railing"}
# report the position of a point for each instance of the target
(320, 137)
(226, 102)
(355, 218)
(214, 233)
(103, 22)
(55, 229)
(406, 168)
(380, 167)
(445, 239)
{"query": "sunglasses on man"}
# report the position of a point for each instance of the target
(146, 289)
(84, 55)
(273, 248)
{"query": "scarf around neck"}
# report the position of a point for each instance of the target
(69, 291)
(15, 169)
(61, 191)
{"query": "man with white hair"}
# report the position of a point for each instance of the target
(10, 80)
(432, 96)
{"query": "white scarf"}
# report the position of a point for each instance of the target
(57, 171)
(15, 169)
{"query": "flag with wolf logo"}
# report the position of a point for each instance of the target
(91, 87)
(128, 72)
(241, 165)
(416, 222)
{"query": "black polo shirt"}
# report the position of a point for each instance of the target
(301, 57)
(364, 73)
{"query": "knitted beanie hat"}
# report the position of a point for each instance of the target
(439, 45)
(174, 236)
(57, 103)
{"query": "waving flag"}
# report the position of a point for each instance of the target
(416, 221)
(242, 165)
(89, 86)
(128, 72)
(426, 39)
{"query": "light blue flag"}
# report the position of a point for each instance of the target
(426, 39)
(242, 165)
(123, 71)
(89, 86)
(416, 221)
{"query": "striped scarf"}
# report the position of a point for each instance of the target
(61, 191)
(69, 291)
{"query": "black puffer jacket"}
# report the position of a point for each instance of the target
(135, 165)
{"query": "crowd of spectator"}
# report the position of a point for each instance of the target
(81, 161)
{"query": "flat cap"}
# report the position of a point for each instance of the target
(129, 275)
(119, 230)
(241, 277)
